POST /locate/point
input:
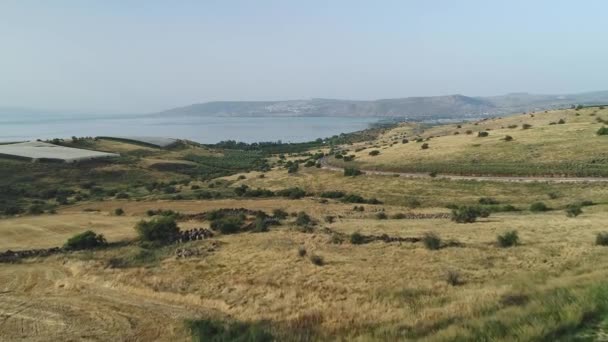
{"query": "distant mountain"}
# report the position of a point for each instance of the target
(413, 108)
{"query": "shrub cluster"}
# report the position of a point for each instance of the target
(468, 214)
(352, 172)
(85, 240)
(162, 229)
(508, 239)
(602, 239)
(573, 210)
(431, 241)
(538, 207)
(602, 131)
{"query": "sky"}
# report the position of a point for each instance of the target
(115, 56)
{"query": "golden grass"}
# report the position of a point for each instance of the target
(53, 230)
(542, 143)
(374, 291)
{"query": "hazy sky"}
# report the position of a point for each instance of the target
(142, 56)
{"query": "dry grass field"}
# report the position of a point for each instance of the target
(355, 275)
(365, 292)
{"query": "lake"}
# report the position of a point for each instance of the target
(200, 129)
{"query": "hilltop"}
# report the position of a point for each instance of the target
(412, 108)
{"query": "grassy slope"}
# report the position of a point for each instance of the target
(572, 148)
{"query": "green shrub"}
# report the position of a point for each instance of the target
(508, 138)
(293, 168)
(85, 240)
(526, 126)
(398, 216)
(601, 239)
(431, 241)
(381, 216)
(317, 260)
(303, 219)
(602, 131)
(332, 194)
(35, 209)
(453, 278)
(292, 193)
(538, 207)
(357, 238)
(119, 212)
(260, 225)
(374, 153)
(301, 251)
(162, 229)
(466, 214)
(218, 331)
(573, 210)
(424, 146)
(482, 134)
(561, 121)
(227, 225)
(352, 172)
(508, 239)
(279, 214)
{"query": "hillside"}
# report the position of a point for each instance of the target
(293, 251)
(412, 108)
(554, 143)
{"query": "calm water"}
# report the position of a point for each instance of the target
(200, 129)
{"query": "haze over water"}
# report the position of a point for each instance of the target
(200, 129)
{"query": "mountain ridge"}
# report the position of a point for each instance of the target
(420, 107)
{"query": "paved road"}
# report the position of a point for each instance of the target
(326, 166)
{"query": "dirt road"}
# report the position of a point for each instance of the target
(326, 166)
